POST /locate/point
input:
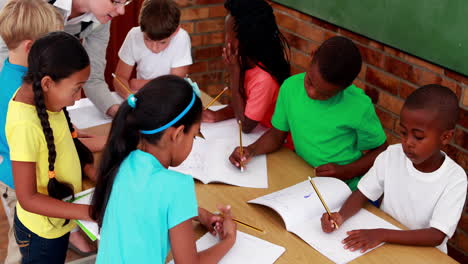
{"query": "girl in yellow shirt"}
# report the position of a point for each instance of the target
(44, 148)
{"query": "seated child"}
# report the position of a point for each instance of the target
(331, 121)
(154, 129)
(158, 46)
(422, 187)
(256, 59)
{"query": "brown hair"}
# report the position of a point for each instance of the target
(159, 19)
(27, 20)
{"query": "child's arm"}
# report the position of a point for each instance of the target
(183, 242)
(352, 205)
(351, 170)
(365, 239)
(211, 116)
(24, 174)
(271, 141)
(180, 71)
(123, 71)
(231, 59)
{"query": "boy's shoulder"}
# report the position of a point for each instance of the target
(356, 95)
(295, 79)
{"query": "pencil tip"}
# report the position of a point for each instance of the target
(309, 178)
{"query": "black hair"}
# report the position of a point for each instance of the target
(259, 37)
(339, 61)
(157, 103)
(437, 98)
(57, 55)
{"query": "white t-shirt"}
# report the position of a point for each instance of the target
(151, 65)
(417, 200)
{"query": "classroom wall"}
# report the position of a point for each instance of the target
(388, 75)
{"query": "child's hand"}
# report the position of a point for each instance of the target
(229, 227)
(328, 223)
(236, 158)
(331, 170)
(363, 239)
(210, 221)
(209, 116)
(231, 58)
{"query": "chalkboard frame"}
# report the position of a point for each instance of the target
(402, 24)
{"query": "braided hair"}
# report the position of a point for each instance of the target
(57, 55)
(259, 37)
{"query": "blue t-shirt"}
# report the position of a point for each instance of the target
(11, 78)
(146, 201)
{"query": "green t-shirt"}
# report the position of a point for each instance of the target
(333, 131)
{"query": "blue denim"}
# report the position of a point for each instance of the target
(36, 249)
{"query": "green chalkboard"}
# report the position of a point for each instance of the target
(435, 30)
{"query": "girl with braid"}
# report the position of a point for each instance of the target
(47, 158)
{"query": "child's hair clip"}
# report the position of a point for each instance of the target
(51, 174)
(194, 85)
(74, 134)
(131, 100)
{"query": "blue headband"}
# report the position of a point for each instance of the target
(175, 120)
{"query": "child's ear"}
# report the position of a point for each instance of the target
(47, 83)
(178, 134)
(28, 44)
(447, 136)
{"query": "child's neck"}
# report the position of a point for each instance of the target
(431, 164)
(18, 58)
(25, 94)
(160, 153)
(79, 7)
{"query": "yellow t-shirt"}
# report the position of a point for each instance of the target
(28, 144)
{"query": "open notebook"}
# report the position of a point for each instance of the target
(209, 159)
(301, 210)
(89, 227)
(84, 113)
(247, 249)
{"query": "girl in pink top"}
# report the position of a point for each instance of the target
(256, 58)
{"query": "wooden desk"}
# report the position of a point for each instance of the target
(285, 168)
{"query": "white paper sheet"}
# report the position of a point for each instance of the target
(247, 249)
(85, 114)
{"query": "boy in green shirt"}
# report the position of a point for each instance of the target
(332, 122)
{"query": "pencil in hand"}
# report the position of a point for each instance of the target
(241, 147)
(121, 83)
(216, 98)
(323, 202)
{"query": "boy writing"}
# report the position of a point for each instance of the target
(331, 121)
(158, 47)
(425, 190)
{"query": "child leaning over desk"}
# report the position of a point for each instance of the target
(422, 187)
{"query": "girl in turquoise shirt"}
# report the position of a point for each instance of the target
(143, 208)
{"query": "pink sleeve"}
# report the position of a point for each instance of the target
(262, 92)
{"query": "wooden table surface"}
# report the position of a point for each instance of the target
(285, 168)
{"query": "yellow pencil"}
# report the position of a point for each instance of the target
(323, 202)
(244, 224)
(216, 98)
(121, 83)
(241, 147)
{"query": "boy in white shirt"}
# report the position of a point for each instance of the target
(159, 46)
(423, 188)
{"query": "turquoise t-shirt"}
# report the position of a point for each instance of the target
(146, 201)
(11, 78)
(336, 130)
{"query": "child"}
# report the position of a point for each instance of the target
(37, 18)
(88, 20)
(331, 121)
(158, 47)
(422, 187)
(256, 59)
(45, 158)
(154, 128)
